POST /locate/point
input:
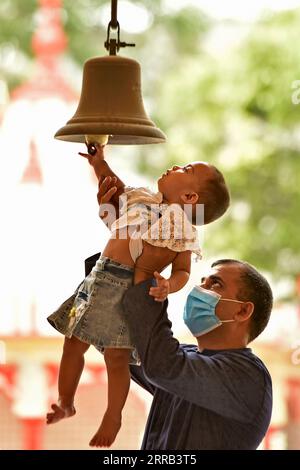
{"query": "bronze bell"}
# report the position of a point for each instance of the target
(111, 104)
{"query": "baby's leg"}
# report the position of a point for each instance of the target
(70, 370)
(118, 376)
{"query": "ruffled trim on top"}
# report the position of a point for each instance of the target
(159, 224)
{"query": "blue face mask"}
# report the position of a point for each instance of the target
(199, 311)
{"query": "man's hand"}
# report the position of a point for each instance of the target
(160, 293)
(107, 210)
(106, 189)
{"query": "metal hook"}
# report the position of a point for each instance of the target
(113, 45)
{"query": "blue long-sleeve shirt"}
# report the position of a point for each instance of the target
(214, 399)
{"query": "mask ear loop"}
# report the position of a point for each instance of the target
(231, 300)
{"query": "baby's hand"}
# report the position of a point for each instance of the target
(160, 293)
(99, 155)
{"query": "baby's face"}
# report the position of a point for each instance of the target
(184, 179)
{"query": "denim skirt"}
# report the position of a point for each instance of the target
(94, 313)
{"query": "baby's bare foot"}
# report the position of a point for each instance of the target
(107, 431)
(60, 412)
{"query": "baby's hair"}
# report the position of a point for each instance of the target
(215, 197)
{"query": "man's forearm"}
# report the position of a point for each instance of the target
(152, 336)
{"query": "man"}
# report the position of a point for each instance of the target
(216, 394)
(213, 395)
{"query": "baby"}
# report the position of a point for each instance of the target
(137, 250)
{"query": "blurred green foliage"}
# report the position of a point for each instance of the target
(231, 108)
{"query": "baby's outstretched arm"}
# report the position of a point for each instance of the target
(181, 268)
(103, 170)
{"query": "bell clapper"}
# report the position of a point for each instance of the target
(91, 149)
(91, 140)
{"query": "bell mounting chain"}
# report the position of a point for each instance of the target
(113, 45)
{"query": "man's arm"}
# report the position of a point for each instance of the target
(226, 382)
(137, 374)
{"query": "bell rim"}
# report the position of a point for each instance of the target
(119, 134)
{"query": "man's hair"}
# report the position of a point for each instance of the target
(255, 288)
(215, 197)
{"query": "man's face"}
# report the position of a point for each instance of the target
(183, 179)
(225, 279)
